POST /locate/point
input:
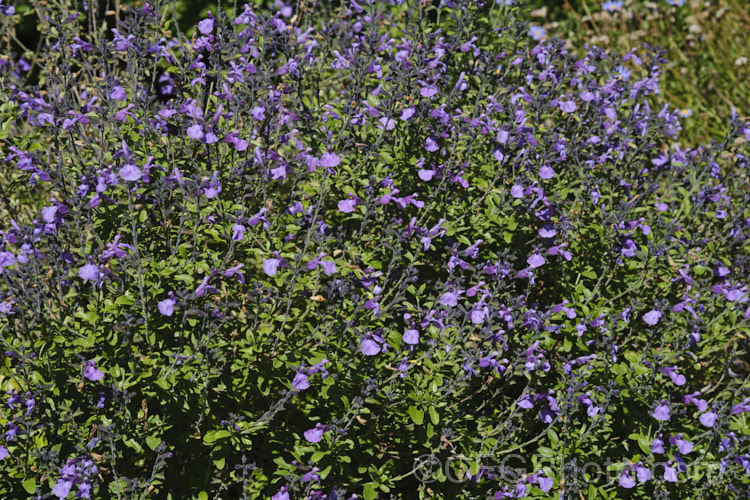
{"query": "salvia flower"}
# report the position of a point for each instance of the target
(300, 381)
(91, 372)
(89, 272)
(166, 306)
(315, 434)
(661, 412)
(652, 317)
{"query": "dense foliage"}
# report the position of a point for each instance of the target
(377, 249)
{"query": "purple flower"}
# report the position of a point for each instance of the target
(670, 474)
(546, 172)
(677, 379)
(91, 372)
(626, 481)
(166, 306)
(270, 266)
(300, 381)
(258, 113)
(3, 452)
(7, 259)
(657, 445)
(685, 447)
(411, 336)
(118, 94)
(516, 191)
(195, 132)
(281, 495)
(568, 106)
(62, 488)
(535, 261)
(238, 231)
(328, 267)
(329, 160)
(428, 91)
(407, 113)
(426, 175)
(315, 434)
(49, 213)
(478, 314)
(347, 206)
(545, 483)
(547, 231)
(449, 299)
(431, 144)
(89, 272)
(130, 172)
(661, 412)
(643, 473)
(214, 186)
(652, 317)
(526, 402)
(206, 26)
(235, 270)
(369, 347)
(708, 419)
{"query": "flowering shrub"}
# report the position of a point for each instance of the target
(296, 253)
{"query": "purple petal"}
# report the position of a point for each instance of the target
(195, 132)
(535, 261)
(206, 26)
(166, 307)
(89, 272)
(411, 336)
(370, 347)
(329, 160)
(347, 206)
(449, 299)
(314, 435)
(270, 266)
(626, 481)
(708, 419)
(130, 172)
(92, 372)
(652, 317)
(661, 412)
(300, 382)
(546, 172)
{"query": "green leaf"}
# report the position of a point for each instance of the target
(153, 442)
(417, 414)
(434, 415)
(29, 485)
(369, 491)
(162, 382)
(212, 436)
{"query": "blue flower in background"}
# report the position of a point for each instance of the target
(537, 32)
(623, 73)
(685, 112)
(612, 5)
(676, 3)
